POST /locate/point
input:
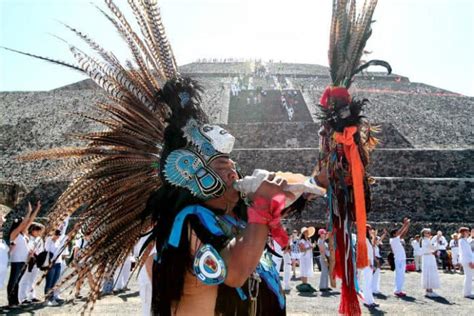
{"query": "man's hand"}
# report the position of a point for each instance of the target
(270, 187)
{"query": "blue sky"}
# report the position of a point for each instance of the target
(430, 41)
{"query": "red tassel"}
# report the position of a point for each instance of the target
(349, 304)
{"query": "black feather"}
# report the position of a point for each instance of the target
(57, 62)
(373, 62)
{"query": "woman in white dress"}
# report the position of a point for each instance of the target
(306, 253)
(429, 268)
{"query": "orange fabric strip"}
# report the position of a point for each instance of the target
(357, 171)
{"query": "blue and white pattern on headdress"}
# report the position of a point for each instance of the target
(187, 169)
(209, 140)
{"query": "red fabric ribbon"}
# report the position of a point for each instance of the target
(263, 211)
(351, 151)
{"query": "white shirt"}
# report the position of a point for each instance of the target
(466, 255)
(440, 242)
(416, 247)
(20, 250)
(3, 254)
(453, 243)
(377, 251)
(306, 244)
(470, 240)
(397, 248)
(370, 251)
(322, 242)
(36, 244)
(55, 247)
(427, 247)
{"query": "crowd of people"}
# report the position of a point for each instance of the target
(33, 256)
(430, 253)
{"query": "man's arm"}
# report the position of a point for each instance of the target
(29, 218)
(404, 229)
(243, 253)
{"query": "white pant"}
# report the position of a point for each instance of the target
(286, 271)
(400, 266)
(468, 273)
(324, 280)
(455, 256)
(367, 275)
(145, 296)
(122, 274)
(376, 281)
(3, 276)
(26, 287)
(418, 263)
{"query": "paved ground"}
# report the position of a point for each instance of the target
(451, 301)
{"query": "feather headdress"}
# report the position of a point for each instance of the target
(120, 166)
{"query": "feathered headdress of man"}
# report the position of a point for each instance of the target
(155, 131)
(346, 139)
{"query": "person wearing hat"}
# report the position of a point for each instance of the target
(306, 253)
(454, 246)
(324, 260)
(467, 261)
(429, 267)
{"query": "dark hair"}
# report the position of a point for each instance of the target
(57, 232)
(35, 227)
(393, 232)
(15, 223)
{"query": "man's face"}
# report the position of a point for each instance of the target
(225, 168)
(440, 233)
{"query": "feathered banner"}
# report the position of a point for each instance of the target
(346, 139)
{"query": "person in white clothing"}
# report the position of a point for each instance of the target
(145, 274)
(295, 252)
(19, 252)
(306, 253)
(470, 239)
(368, 271)
(122, 275)
(79, 244)
(416, 245)
(442, 245)
(323, 260)
(429, 267)
(378, 260)
(286, 268)
(467, 261)
(399, 256)
(454, 246)
(26, 290)
(4, 249)
(54, 245)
